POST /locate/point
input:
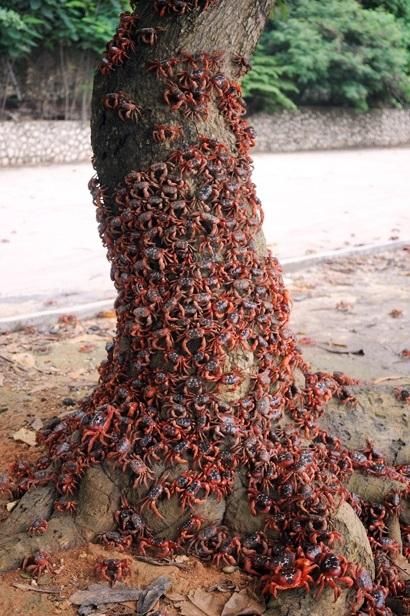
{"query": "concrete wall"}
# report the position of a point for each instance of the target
(37, 142)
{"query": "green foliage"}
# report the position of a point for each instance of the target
(18, 33)
(399, 8)
(264, 87)
(336, 53)
(85, 24)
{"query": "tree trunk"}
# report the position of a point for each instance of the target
(204, 419)
(182, 224)
(120, 147)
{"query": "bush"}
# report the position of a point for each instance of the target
(18, 33)
(399, 8)
(337, 53)
(49, 50)
(264, 86)
(85, 24)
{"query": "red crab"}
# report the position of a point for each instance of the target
(402, 394)
(242, 65)
(141, 473)
(123, 105)
(64, 505)
(112, 569)
(162, 68)
(38, 527)
(166, 132)
(129, 521)
(151, 500)
(114, 539)
(289, 577)
(99, 425)
(157, 547)
(149, 36)
(6, 486)
(334, 570)
(37, 564)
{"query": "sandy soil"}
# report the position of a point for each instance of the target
(345, 306)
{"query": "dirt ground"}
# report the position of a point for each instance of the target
(351, 315)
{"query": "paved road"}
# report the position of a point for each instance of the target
(50, 254)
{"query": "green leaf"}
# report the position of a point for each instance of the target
(338, 52)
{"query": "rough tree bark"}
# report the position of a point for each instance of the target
(201, 435)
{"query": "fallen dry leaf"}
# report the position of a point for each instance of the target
(24, 360)
(186, 608)
(359, 352)
(224, 586)
(306, 341)
(13, 347)
(181, 559)
(382, 379)
(43, 589)
(106, 314)
(76, 374)
(40, 387)
(36, 424)
(241, 604)
(25, 436)
(152, 594)
(87, 348)
(68, 319)
(165, 562)
(99, 594)
(344, 306)
(207, 602)
(199, 602)
(176, 597)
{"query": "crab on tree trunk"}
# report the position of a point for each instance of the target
(201, 434)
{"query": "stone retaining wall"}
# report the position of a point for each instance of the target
(327, 129)
(38, 142)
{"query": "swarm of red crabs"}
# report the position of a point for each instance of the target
(198, 390)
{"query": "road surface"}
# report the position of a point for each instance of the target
(50, 253)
